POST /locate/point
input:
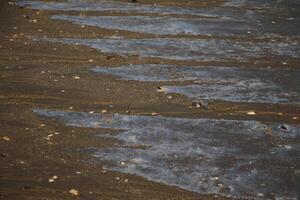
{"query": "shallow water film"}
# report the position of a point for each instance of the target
(230, 157)
(241, 52)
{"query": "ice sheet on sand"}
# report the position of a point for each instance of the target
(165, 25)
(190, 49)
(228, 157)
(274, 86)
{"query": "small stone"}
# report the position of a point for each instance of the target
(74, 192)
(159, 89)
(284, 128)
(103, 111)
(117, 178)
(91, 60)
(111, 57)
(126, 180)
(295, 118)
(42, 125)
(251, 113)
(200, 104)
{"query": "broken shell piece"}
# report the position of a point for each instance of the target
(76, 77)
(74, 192)
(260, 194)
(6, 138)
(251, 113)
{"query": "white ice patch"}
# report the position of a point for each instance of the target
(242, 159)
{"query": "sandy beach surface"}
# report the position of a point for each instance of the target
(69, 86)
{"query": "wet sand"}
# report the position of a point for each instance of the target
(38, 74)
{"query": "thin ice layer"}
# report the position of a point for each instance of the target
(163, 25)
(273, 86)
(192, 26)
(190, 49)
(239, 10)
(249, 91)
(243, 159)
